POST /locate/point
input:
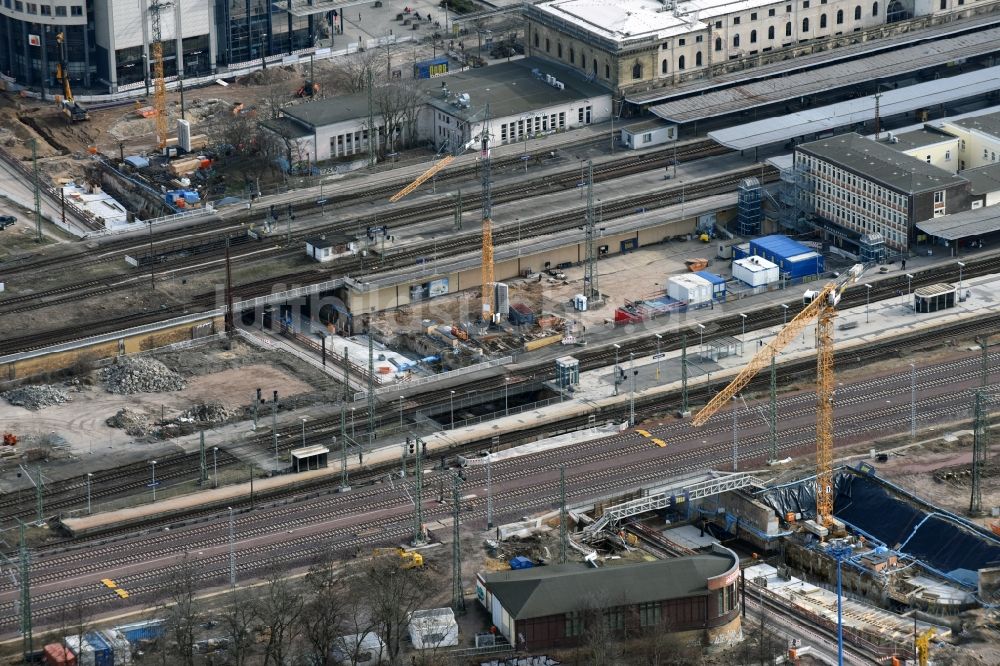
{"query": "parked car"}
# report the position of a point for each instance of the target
(6, 221)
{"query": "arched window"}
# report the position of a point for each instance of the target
(559, 49)
(736, 41)
(607, 71)
(583, 61)
(572, 54)
(753, 36)
(663, 66)
(697, 59)
(840, 16)
(548, 45)
(788, 29)
(822, 21)
(637, 71)
(874, 9)
(770, 32)
(536, 40)
(680, 62)
(857, 13)
(595, 66)
(718, 43)
(805, 24)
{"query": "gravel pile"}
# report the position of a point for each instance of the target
(206, 413)
(131, 421)
(140, 375)
(36, 397)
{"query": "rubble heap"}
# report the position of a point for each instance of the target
(36, 397)
(140, 375)
(133, 422)
(206, 413)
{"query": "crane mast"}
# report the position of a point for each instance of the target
(487, 190)
(159, 84)
(822, 309)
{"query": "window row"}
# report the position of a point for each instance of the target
(42, 10)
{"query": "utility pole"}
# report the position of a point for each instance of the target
(232, 552)
(774, 410)
(372, 130)
(38, 191)
(256, 405)
(344, 485)
(685, 405)
(980, 446)
(371, 382)
(631, 390)
(913, 402)
(563, 535)
(26, 630)
(489, 490)
(458, 210)
(418, 492)
(230, 321)
(457, 598)
(590, 280)
(984, 342)
(274, 428)
(203, 477)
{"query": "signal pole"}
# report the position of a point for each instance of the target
(26, 631)
(38, 191)
(457, 598)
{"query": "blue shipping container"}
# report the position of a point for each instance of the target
(718, 284)
(741, 251)
(521, 562)
(103, 655)
(792, 258)
(142, 631)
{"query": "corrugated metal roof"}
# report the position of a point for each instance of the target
(933, 290)
(780, 245)
(854, 72)
(310, 451)
(963, 225)
(862, 109)
(711, 277)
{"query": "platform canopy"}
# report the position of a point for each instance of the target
(967, 224)
(859, 72)
(860, 110)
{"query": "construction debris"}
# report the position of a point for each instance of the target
(36, 397)
(207, 413)
(131, 421)
(140, 375)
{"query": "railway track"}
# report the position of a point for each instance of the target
(352, 265)
(381, 513)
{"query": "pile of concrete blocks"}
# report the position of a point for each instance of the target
(135, 374)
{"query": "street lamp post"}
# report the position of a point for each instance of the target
(617, 347)
(961, 265)
(452, 426)
(784, 316)
(89, 477)
(631, 391)
(701, 339)
(868, 297)
(215, 466)
(303, 419)
(659, 338)
(909, 281)
(153, 484)
(401, 398)
(744, 318)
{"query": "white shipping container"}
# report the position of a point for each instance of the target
(755, 271)
(693, 289)
(84, 655)
(119, 645)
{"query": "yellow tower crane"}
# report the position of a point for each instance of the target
(822, 309)
(159, 84)
(924, 646)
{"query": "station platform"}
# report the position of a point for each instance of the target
(878, 322)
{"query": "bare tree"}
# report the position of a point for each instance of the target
(398, 102)
(280, 612)
(238, 619)
(181, 610)
(602, 629)
(326, 607)
(393, 594)
(249, 148)
(351, 74)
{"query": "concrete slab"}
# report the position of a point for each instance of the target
(689, 537)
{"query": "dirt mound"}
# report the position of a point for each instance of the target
(36, 397)
(140, 375)
(134, 423)
(206, 413)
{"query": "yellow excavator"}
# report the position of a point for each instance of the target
(69, 107)
(407, 559)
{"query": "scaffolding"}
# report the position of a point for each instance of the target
(871, 248)
(749, 212)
